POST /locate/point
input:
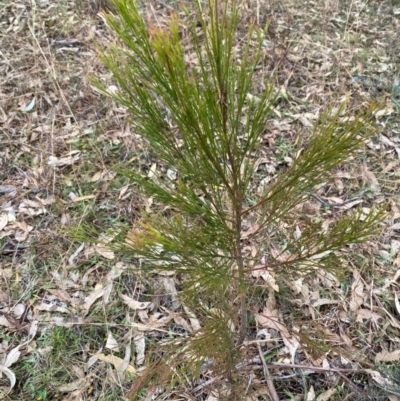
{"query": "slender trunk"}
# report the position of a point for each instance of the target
(241, 277)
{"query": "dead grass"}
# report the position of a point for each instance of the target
(59, 142)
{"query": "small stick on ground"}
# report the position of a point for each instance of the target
(268, 379)
(295, 366)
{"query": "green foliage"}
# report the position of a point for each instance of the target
(203, 120)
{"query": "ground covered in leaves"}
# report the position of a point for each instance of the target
(78, 323)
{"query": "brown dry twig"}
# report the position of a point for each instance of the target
(268, 379)
(295, 366)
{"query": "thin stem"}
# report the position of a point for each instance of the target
(235, 195)
(243, 321)
(241, 275)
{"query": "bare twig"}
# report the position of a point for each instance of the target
(295, 366)
(268, 379)
(205, 384)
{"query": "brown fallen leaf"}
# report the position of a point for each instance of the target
(270, 319)
(182, 322)
(48, 201)
(97, 176)
(114, 273)
(10, 375)
(367, 314)
(371, 179)
(396, 302)
(92, 297)
(60, 294)
(310, 394)
(71, 158)
(104, 251)
(83, 198)
(323, 301)
(267, 275)
(357, 292)
(192, 317)
(378, 378)
(140, 347)
(5, 322)
(30, 211)
(152, 325)
(136, 305)
(30, 203)
(50, 306)
(14, 355)
(386, 356)
(112, 343)
(65, 219)
(114, 360)
(170, 288)
(3, 220)
(72, 386)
